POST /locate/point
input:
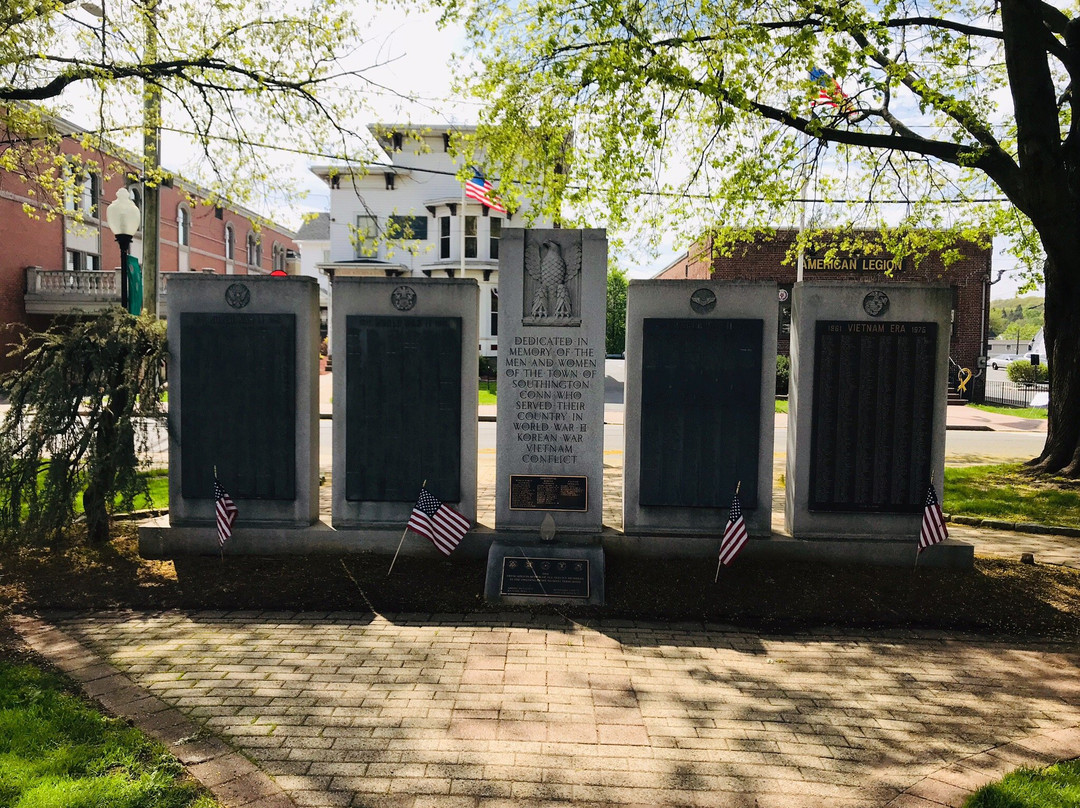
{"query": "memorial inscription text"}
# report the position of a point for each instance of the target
(548, 379)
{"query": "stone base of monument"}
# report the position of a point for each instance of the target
(949, 554)
(159, 540)
(543, 572)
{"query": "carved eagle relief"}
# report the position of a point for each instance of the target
(552, 270)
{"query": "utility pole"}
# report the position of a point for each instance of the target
(151, 165)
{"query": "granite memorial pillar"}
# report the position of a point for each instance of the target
(243, 399)
(405, 397)
(700, 386)
(549, 472)
(866, 423)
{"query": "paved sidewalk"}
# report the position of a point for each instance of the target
(460, 711)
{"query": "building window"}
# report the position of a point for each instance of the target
(279, 257)
(494, 312)
(183, 226)
(85, 194)
(444, 237)
(367, 228)
(230, 243)
(91, 194)
(78, 261)
(496, 234)
(407, 227)
(470, 237)
(254, 251)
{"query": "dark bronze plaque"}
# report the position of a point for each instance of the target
(872, 418)
(238, 405)
(545, 577)
(403, 408)
(700, 411)
(537, 492)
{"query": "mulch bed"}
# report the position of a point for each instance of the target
(997, 598)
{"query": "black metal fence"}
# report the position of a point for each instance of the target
(1010, 394)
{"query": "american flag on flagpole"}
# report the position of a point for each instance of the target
(829, 93)
(933, 528)
(440, 523)
(225, 510)
(483, 192)
(734, 533)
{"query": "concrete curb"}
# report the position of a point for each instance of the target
(1016, 527)
(234, 780)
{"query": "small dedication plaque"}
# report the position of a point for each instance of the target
(537, 492)
(545, 577)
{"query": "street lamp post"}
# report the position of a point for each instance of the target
(123, 217)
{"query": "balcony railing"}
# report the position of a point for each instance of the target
(56, 291)
(53, 291)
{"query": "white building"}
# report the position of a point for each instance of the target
(408, 217)
(313, 239)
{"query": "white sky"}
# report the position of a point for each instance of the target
(416, 60)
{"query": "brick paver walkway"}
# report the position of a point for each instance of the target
(481, 711)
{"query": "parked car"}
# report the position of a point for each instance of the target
(1006, 359)
(1002, 360)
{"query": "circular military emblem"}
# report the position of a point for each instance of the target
(237, 295)
(875, 303)
(703, 301)
(403, 298)
(784, 294)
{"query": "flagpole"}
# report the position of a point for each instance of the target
(402, 541)
(221, 547)
(801, 261)
(461, 234)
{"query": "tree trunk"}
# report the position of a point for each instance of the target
(1061, 454)
(100, 490)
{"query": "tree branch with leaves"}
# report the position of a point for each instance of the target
(956, 122)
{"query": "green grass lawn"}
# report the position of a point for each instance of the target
(57, 752)
(1016, 412)
(1053, 787)
(1011, 493)
(158, 482)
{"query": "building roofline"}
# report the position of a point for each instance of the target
(71, 130)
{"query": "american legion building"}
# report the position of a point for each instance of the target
(764, 259)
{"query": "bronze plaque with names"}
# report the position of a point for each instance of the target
(238, 418)
(872, 423)
(545, 577)
(539, 492)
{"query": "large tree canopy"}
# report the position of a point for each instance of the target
(927, 120)
(234, 79)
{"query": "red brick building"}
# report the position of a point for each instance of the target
(69, 262)
(764, 259)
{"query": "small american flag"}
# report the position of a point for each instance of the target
(734, 533)
(483, 191)
(933, 523)
(440, 523)
(226, 511)
(830, 93)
